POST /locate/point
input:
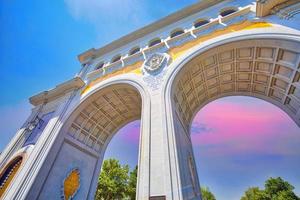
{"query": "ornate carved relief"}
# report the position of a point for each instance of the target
(37, 127)
(155, 62)
(155, 69)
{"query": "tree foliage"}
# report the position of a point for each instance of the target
(275, 189)
(115, 181)
(255, 193)
(131, 192)
(207, 194)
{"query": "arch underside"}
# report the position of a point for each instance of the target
(104, 113)
(8, 173)
(267, 69)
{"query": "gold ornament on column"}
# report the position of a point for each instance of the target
(71, 184)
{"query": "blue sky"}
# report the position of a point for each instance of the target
(40, 41)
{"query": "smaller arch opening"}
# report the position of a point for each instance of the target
(8, 173)
(116, 58)
(154, 42)
(200, 22)
(227, 11)
(99, 66)
(176, 33)
(134, 50)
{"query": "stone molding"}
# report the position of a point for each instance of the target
(149, 29)
(59, 91)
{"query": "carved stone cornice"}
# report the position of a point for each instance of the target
(148, 29)
(59, 91)
(264, 7)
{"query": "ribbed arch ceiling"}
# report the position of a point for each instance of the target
(104, 113)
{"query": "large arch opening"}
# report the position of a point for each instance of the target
(240, 142)
(107, 117)
(267, 69)
(121, 156)
(87, 133)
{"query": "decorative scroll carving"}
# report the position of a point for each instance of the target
(155, 62)
(155, 69)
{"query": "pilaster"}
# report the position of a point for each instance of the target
(18, 140)
(27, 175)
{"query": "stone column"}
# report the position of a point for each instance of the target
(172, 173)
(24, 180)
(160, 180)
(172, 170)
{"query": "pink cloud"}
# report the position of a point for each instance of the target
(130, 133)
(255, 126)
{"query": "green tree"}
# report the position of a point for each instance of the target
(286, 195)
(207, 194)
(255, 193)
(131, 192)
(113, 181)
(274, 186)
(275, 189)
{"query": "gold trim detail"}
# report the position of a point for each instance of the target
(11, 174)
(176, 52)
(135, 68)
(246, 25)
(71, 184)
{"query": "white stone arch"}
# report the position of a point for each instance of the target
(143, 156)
(144, 129)
(41, 170)
(219, 41)
(174, 125)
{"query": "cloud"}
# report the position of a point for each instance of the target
(94, 10)
(198, 128)
(130, 133)
(249, 141)
(110, 18)
(245, 127)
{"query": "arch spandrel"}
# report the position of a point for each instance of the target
(264, 68)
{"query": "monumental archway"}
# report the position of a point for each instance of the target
(165, 81)
(263, 68)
